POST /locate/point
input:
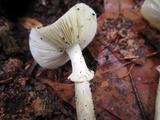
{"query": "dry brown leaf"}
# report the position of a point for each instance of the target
(29, 23)
(118, 97)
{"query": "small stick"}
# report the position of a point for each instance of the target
(31, 69)
(129, 71)
(137, 98)
(151, 54)
(136, 57)
(114, 69)
(6, 80)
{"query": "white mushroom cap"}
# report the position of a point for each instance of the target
(48, 44)
(150, 10)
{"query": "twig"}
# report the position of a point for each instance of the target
(31, 69)
(137, 98)
(129, 71)
(136, 57)
(151, 54)
(6, 80)
(127, 58)
(114, 69)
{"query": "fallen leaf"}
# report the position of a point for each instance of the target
(121, 87)
(29, 23)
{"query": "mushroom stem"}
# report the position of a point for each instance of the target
(80, 71)
(81, 75)
(84, 102)
(157, 104)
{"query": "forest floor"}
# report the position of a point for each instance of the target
(30, 92)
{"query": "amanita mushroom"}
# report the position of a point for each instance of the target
(157, 103)
(53, 45)
(150, 10)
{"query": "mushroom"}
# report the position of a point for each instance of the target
(150, 10)
(53, 45)
(157, 103)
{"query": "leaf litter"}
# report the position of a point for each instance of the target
(119, 54)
